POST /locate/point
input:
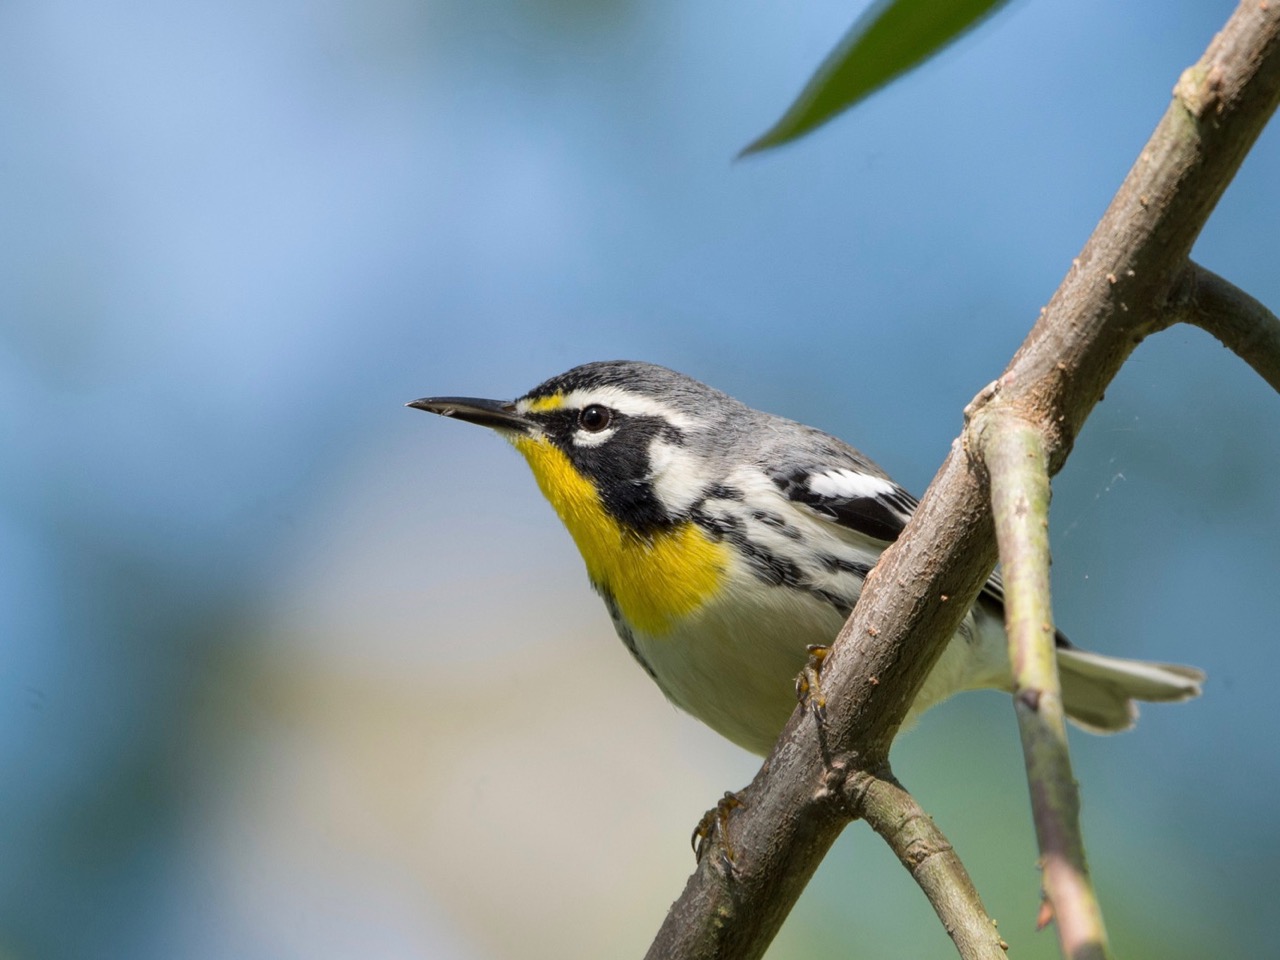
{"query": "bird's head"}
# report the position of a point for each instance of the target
(635, 441)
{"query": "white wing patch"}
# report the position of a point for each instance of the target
(849, 485)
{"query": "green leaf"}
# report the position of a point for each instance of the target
(888, 40)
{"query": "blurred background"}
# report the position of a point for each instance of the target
(287, 670)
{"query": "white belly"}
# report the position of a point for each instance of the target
(733, 663)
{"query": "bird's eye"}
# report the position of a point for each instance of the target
(595, 418)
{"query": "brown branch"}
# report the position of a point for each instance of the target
(1116, 293)
(928, 856)
(1019, 479)
(1244, 325)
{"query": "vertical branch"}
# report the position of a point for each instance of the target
(1019, 477)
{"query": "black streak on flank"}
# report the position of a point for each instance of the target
(764, 563)
(777, 523)
(624, 631)
(720, 526)
(770, 567)
(837, 601)
(723, 492)
(841, 565)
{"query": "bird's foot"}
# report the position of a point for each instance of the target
(713, 826)
(809, 683)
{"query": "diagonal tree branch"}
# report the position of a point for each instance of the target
(930, 859)
(1118, 291)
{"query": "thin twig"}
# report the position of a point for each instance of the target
(1019, 478)
(1240, 322)
(922, 848)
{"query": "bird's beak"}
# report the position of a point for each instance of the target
(498, 414)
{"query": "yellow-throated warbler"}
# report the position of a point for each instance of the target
(725, 540)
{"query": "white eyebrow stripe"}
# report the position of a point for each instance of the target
(849, 485)
(624, 401)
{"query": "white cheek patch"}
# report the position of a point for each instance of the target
(678, 477)
(849, 485)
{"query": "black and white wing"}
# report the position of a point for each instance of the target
(864, 501)
(859, 500)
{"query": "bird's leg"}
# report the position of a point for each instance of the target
(808, 683)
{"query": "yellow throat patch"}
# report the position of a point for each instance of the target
(654, 580)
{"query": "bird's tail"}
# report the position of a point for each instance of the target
(1098, 691)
